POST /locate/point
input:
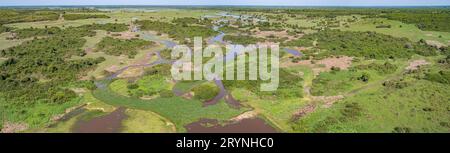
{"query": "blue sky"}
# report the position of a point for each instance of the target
(232, 2)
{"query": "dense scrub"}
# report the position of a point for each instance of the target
(4, 29)
(113, 46)
(385, 68)
(38, 72)
(35, 32)
(424, 20)
(177, 31)
(14, 16)
(363, 44)
(47, 31)
(83, 16)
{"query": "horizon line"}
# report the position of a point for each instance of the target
(431, 5)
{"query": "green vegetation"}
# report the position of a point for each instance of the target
(205, 91)
(14, 16)
(83, 16)
(242, 40)
(34, 32)
(290, 86)
(176, 109)
(112, 27)
(363, 44)
(113, 46)
(386, 68)
(148, 85)
(424, 20)
(55, 60)
(420, 107)
(177, 31)
(37, 74)
(190, 21)
(4, 29)
(440, 77)
(139, 121)
(48, 31)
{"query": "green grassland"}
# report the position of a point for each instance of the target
(139, 121)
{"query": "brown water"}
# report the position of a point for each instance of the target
(255, 125)
(110, 123)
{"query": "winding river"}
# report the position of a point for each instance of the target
(194, 127)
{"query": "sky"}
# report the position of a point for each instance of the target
(232, 2)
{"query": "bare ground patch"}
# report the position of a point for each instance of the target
(324, 65)
(414, 65)
(245, 115)
(9, 127)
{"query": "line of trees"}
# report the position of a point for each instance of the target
(84, 16)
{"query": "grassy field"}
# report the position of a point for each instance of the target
(344, 81)
(140, 121)
(398, 29)
(384, 110)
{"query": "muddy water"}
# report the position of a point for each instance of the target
(255, 125)
(110, 123)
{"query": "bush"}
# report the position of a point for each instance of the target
(398, 84)
(205, 91)
(132, 86)
(401, 130)
(386, 68)
(364, 77)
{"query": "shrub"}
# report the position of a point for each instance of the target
(401, 130)
(205, 91)
(364, 77)
(132, 86)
